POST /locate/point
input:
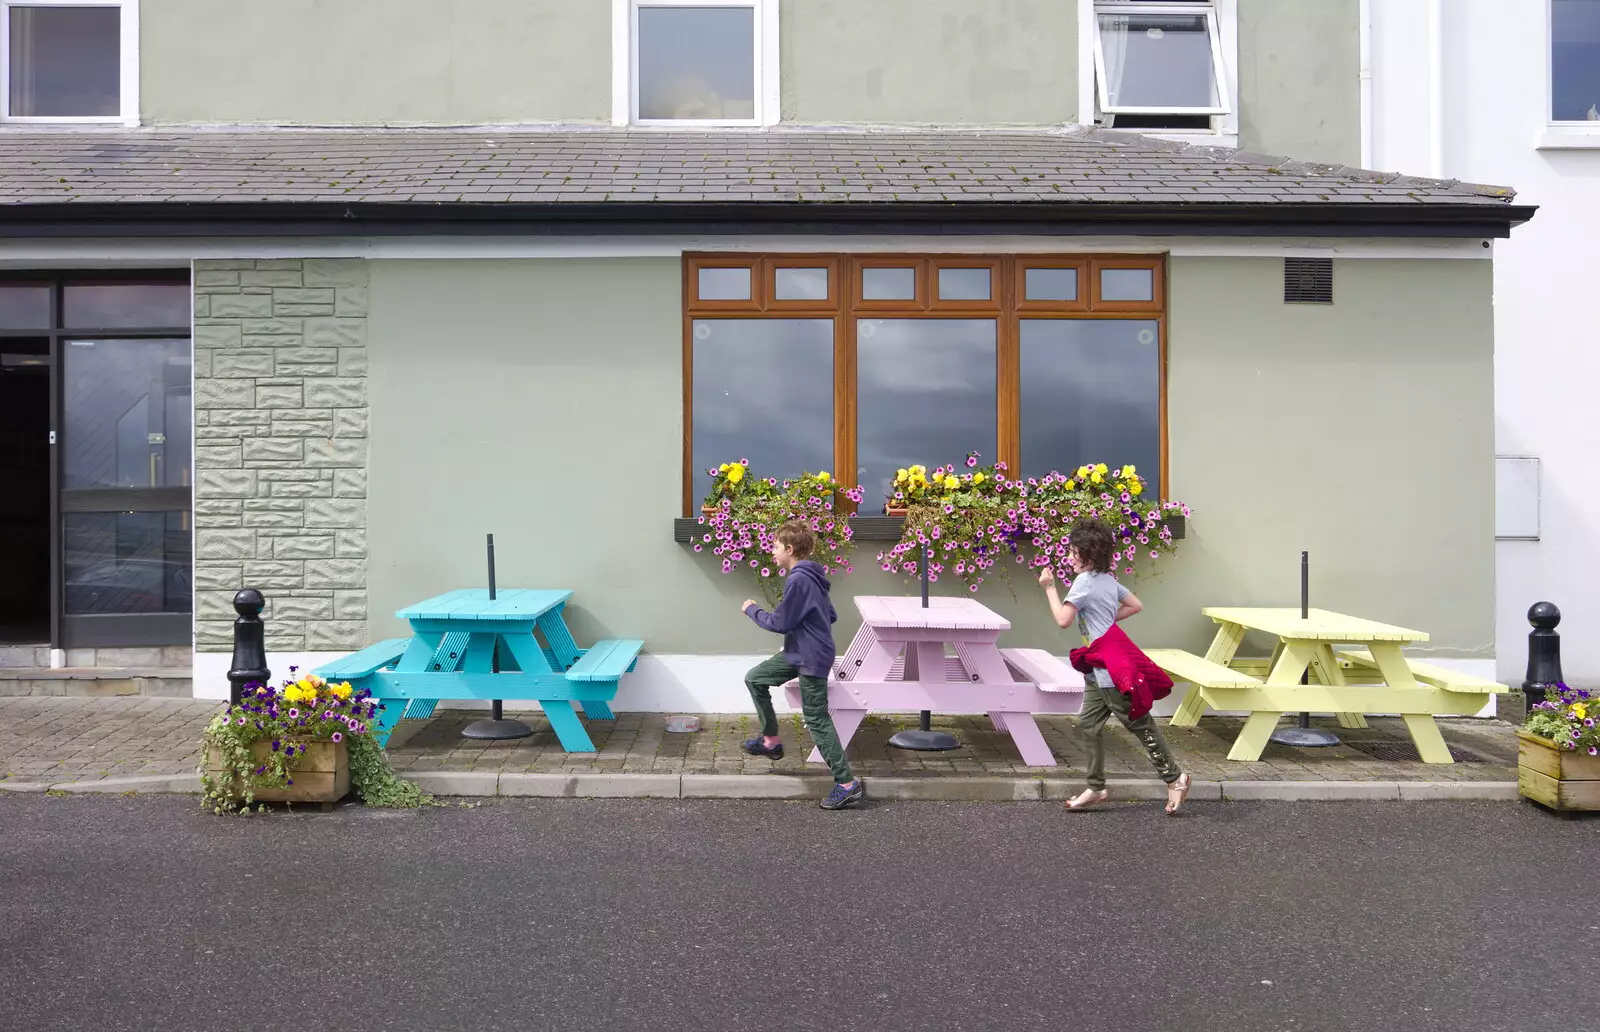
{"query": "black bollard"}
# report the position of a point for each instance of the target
(249, 644)
(1544, 653)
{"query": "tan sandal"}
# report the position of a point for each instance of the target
(1088, 799)
(1181, 786)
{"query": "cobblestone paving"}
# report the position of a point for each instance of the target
(67, 739)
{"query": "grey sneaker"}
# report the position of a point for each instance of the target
(844, 798)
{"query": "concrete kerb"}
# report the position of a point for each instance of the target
(169, 784)
(779, 786)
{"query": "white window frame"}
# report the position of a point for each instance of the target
(128, 89)
(1224, 15)
(625, 61)
(1566, 134)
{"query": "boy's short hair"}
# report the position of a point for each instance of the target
(799, 537)
(1093, 541)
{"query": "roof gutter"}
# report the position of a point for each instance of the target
(1439, 219)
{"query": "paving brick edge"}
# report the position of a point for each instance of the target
(780, 786)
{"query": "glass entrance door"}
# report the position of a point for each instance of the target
(126, 447)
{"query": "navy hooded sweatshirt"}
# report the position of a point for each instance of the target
(805, 617)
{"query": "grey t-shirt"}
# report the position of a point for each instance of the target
(1097, 596)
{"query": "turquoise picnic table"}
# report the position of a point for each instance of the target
(466, 645)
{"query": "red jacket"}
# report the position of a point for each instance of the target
(1133, 672)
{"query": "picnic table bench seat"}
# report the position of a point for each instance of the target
(1049, 672)
(605, 660)
(1199, 671)
(1428, 673)
(368, 661)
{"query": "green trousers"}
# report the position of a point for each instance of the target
(813, 704)
(1099, 703)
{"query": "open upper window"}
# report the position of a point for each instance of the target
(69, 61)
(1161, 66)
(696, 62)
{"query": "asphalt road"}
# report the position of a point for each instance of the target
(143, 913)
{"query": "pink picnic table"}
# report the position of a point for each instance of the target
(899, 662)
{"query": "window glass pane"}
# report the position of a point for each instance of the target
(1127, 285)
(925, 392)
(127, 562)
(963, 284)
(105, 306)
(1575, 60)
(24, 306)
(763, 391)
(718, 284)
(1091, 392)
(1050, 284)
(802, 284)
(66, 62)
(128, 413)
(889, 284)
(697, 62)
(1158, 60)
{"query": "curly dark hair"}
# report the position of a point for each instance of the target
(1093, 541)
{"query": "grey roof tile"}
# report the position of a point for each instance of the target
(52, 166)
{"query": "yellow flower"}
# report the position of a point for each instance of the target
(1101, 468)
(341, 691)
(1128, 471)
(977, 478)
(900, 475)
(292, 693)
(951, 482)
(1136, 489)
(823, 476)
(1096, 478)
(1083, 472)
(735, 473)
(1580, 710)
(1072, 485)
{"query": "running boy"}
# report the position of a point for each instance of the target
(1096, 601)
(805, 618)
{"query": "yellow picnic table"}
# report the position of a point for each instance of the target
(1379, 680)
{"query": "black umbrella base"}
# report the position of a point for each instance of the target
(1305, 737)
(925, 741)
(496, 730)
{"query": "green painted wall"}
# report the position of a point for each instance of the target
(541, 400)
(368, 62)
(1299, 79)
(946, 62)
(1362, 431)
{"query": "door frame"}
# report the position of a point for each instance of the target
(102, 630)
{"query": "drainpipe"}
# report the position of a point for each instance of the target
(1366, 83)
(1436, 88)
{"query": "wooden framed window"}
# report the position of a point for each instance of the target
(803, 283)
(864, 363)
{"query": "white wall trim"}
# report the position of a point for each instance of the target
(128, 80)
(661, 684)
(43, 253)
(621, 62)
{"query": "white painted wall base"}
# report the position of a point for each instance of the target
(661, 684)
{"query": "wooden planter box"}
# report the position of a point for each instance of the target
(1562, 779)
(321, 774)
